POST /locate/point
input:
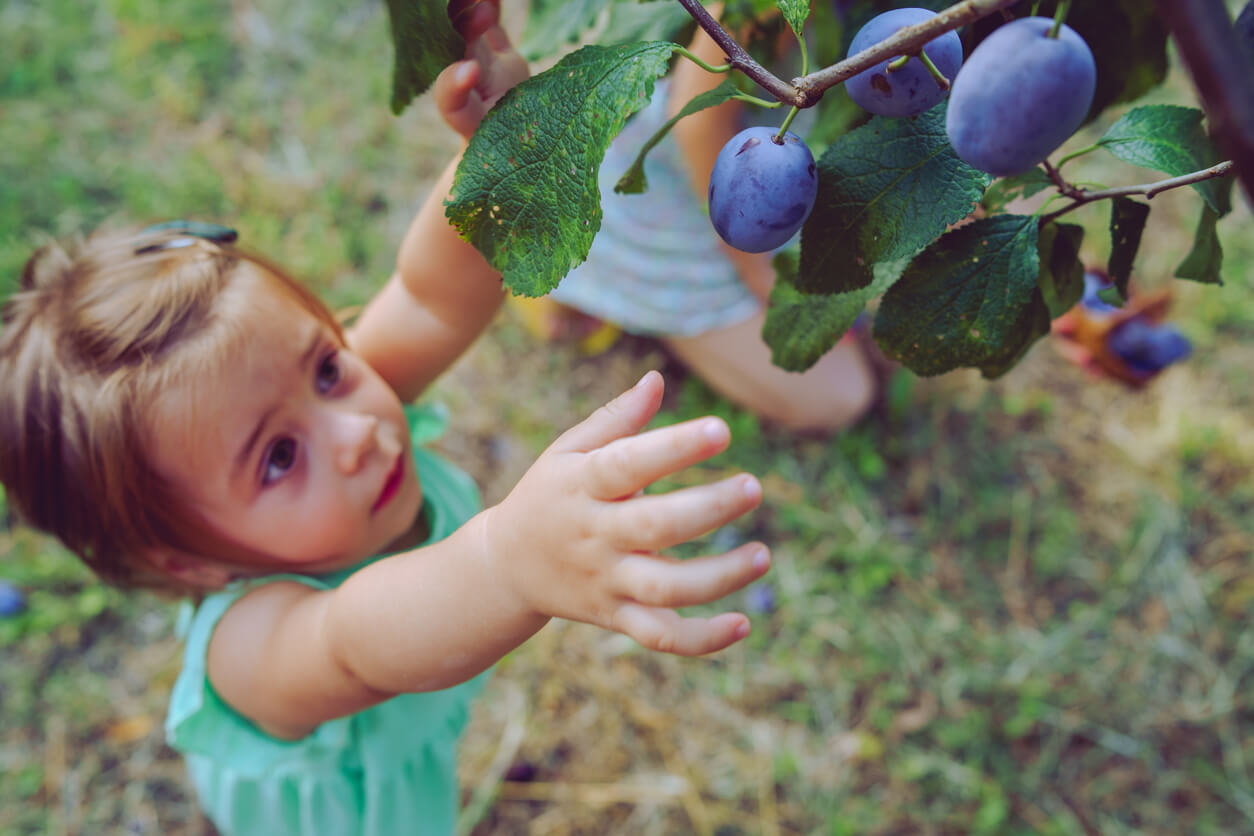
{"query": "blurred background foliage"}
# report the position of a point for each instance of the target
(1010, 607)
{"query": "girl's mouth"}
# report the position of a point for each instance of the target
(392, 484)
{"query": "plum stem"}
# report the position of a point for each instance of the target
(941, 81)
(805, 55)
(754, 100)
(709, 68)
(1060, 14)
(778, 139)
(1081, 152)
(898, 63)
(1079, 197)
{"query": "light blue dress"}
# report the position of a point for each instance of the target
(656, 267)
(385, 771)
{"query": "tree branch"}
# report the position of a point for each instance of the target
(739, 58)
(1081, 196)
(1223, 75)
(807, 90)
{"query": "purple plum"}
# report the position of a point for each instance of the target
(910, 89)
(761, 191)
(1020, 95)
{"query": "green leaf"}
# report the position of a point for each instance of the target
(969, 300)
(801, 327)
(1170, 139)
(1061, 278)
(1020, 186)
(1127, 222)
(634, 180)
(555, 24)
(1111, 296)
(425, 43)
(655, 20)
(795, 12)
(1204, 260)
(525, 194)
(886, 190)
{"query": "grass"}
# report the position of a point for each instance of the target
(1017, 607)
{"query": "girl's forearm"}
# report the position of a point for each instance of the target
(440, 268)
(440, 299)
(430, 618)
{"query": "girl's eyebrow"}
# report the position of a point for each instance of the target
(306, 359)
(245, 452)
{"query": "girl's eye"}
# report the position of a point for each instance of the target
(279, 460)
(328, 373)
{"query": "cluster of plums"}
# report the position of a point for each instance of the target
(1020, 95)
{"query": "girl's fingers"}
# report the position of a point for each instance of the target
(456, 98)
(627, 465)
(668, 632)
(503, 67)
(625, 415)
(659, 521)
(664, 582)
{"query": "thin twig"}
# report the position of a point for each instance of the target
(1064, 188)
(808, 89)
(739, 58)
(1080, 197)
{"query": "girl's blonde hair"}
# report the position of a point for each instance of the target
(95, 333)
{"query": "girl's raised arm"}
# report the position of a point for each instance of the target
(577, 538)
(443, 294)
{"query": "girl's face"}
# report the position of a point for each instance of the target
(298, 449)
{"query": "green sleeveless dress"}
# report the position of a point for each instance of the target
(390, 770)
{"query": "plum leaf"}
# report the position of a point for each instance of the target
(634, 180)
(971, 299)
(1127, 222)
(526, 193)
(554, 24)
(1020, 186)
(795, 12)
(1204, 260)
(1170, 139)
(644, 20)
(801, 327)
(886, 190)
(425, 43)
(1061, 277)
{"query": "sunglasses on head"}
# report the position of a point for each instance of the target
(193, 232)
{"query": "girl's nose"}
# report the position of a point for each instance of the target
(355, 438)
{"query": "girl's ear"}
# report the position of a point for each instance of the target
(192, 571)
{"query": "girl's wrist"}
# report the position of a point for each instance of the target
(498, 564)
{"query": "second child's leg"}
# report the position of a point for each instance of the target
(735, 362)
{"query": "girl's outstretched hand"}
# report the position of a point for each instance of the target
(578, 539)
(466, 90)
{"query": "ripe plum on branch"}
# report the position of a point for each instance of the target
(897, 87)
(1022, 93)
(762, 191)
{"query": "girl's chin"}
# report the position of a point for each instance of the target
(414, 529)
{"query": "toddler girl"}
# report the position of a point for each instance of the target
(185, 416)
